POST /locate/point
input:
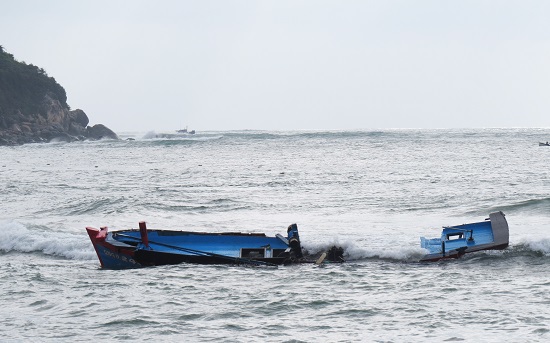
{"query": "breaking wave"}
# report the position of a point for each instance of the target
(534, 206)
(530, 248)
(541, 246)
(152, 135)
(275, 135)
(355, 253)
(15, 237)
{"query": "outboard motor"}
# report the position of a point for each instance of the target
(294, 241)
(335, 254)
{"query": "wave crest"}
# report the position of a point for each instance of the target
(535, 206)
(531, 248)
(541, 246)
(15, 237)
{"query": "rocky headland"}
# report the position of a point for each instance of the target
(33, 108)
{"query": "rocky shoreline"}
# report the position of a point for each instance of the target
(55, 124)
(34, 109)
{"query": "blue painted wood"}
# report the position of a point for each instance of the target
(136, 248)
(455, 241)
(223, 243)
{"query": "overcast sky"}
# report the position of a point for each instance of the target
(285, 65)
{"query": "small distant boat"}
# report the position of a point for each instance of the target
(544, 144)
(455, 241)
(184, 131)
(140, 248)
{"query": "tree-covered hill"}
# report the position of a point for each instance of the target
(33, 107)
(23, 87)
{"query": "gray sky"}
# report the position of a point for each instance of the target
(298, 64)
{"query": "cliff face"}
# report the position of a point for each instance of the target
(33, 108)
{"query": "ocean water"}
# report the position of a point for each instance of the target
(373, 192)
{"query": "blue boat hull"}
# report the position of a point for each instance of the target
(155, 258)
(140, 248)
(456, 241)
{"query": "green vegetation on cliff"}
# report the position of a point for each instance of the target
(33, 108)
(23, 88)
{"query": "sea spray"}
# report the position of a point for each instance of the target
(16, 237)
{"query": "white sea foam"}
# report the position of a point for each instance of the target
(15, 237)
(354, 253)
(404, 253)
(150, 135)
(540, 245)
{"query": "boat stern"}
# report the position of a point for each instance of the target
(455, 241)
(501, 233)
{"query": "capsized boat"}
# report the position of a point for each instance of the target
(455, 241)
(139, 248)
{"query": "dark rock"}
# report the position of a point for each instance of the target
(100, 131)
(76, 129)
(79, 117)
(3, 124)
